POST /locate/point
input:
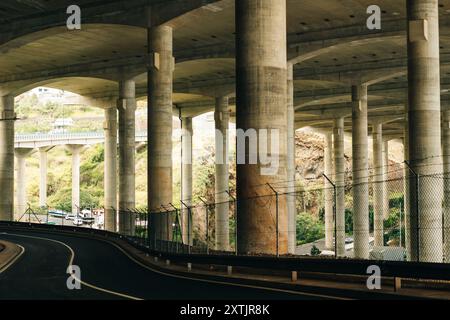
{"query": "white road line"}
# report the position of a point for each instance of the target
(10, 263)
(72, 257)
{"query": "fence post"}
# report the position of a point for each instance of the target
(276, 222)
(207, 223)
(188, 225)
(417, 203)
(235, 221)
(174, 226)
(334, 212)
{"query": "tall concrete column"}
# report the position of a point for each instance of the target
(222, 118)
(261, 87)
(43, 166)
(424, 111)
(75, 149)
(7, 118)
(360, 172)
(21, 183)
(110, 180)
(292, 234)
(378, 186)
(385, 182)
(446, 161)
(406, 190)
(339, 178)
(329, 192)
(127, 150)
(186, 182)
(160, 75)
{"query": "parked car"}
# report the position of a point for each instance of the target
(77, 221)
(70, 216)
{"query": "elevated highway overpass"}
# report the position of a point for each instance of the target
(271, 64)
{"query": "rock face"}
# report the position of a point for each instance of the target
(310, 159)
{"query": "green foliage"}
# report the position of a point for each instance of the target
(309, 228)
(62, 199)
(349, 219)
(315, 251)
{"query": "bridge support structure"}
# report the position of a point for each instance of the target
(186, 181)
(261, 88)
(360, 172)
(424, 112)
(110, 180)
(43, 170)
(76, 150)
(161, 65)
(127, 109)
(222, 118)
(21, 180)
(339, 177)
(7, 118)
(378, 185)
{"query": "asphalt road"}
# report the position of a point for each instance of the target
(106, 273)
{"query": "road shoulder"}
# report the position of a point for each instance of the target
(9, 253)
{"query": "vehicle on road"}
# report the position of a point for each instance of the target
(77, 221)
(57, 213)
(70, 216)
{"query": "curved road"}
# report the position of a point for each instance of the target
(106, 273)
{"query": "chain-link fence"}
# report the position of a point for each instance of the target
(405, 218)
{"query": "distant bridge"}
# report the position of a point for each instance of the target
(41, 140)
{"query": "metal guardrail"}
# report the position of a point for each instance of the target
(394, 269)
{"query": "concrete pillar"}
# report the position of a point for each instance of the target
(446, 161)
(110, 180)
(21, 183)
(186, 178)
(360, 172)
(385, 182)
(329, 192)
(43, 166)
(160, 75)
(7, 118)
(424, 111)
(339, 178)
(75, 149)
(261, 88)
(292, 234)
(127, 150)
(378, 186)
(222, 118)
(406, 190)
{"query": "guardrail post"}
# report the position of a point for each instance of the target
(397, 284)
(294, 276)
(229, 270)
